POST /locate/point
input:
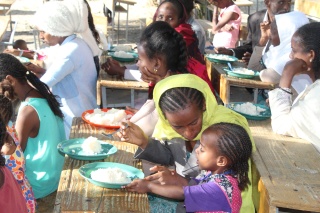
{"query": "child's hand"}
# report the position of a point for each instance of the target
(165, 176)
(138, 185)
(228, 27)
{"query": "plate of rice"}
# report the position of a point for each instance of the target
(123, 56)
(220, 58)
(241, 72)
(110, 118)
(109, 174)
(86, 148)
(250, 110)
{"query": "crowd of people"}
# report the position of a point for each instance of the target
(201, 150)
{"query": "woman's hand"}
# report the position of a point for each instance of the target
(138, 185)
(227, 28)
(133, 134)
(151, 76)
(113, 67)
(294, 67)
(165, 176)
(37, 70)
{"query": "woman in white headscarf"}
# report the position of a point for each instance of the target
(73, 75)
(277, 56)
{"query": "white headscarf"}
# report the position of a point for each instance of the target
(64, 18)
(277, 57)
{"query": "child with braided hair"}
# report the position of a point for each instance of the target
(39, 124)
(12, 199)
(15, 160)
(222, 156)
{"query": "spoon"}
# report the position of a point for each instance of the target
(113, 136)
(230, 66)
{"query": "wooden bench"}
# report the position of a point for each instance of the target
(288, 170)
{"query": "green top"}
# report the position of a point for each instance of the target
(43, 161)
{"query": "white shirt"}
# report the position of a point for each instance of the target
(72, 77)
(300, 120)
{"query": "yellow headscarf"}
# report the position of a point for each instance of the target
(214, 114)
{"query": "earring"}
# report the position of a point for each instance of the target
(310, 60)
(155, 70)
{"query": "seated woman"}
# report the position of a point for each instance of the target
(186, 107)
(277, 56)
(12, 151)
(12, 199)
(300, 118)
(59, 22)
(39, 124)
(226, 25)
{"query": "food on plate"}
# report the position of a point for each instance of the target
(249, 109)
(242, 70)
(112, 117)
(122, 48)
(110, 175)
(221, 57)
(91, 145)
(123, 54)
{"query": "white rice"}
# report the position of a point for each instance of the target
(91, 146)
(112, 117)
(123, 54)
(249, 109)
(110, 175)
(122, 48)
(242, 70)
(220, 57)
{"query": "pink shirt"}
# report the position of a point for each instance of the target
(230, 38)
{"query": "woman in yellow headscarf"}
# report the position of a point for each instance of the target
(186, 107)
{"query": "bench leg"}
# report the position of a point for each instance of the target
(132, 98)
(104, 96)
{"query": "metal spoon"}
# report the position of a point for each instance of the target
(113, 136)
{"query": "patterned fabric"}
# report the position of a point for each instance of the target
(160, 204)
(16, 164)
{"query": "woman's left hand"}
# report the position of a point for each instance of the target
(150, 76)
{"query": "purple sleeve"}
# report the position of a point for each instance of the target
(206, 197)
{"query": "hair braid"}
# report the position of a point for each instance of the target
(3, 132)
(91, 24)
(180, 98)
(183, 56)
(9, 65)
(234, 142)
(6, 109)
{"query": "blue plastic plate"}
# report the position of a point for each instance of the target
(133, 173)
(239, 75)
(23, 60)
(262, 116)
(120, 59)
(73, 148)
(217, 58)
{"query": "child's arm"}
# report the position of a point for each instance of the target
(227, 16)
(143, 186)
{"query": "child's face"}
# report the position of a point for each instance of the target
(208, 153)
(168, 13)
(24, 46)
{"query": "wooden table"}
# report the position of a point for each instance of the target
(107, 81)
(75, 194)
(222, 82)
(289, 170)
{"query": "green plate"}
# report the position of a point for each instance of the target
(73, 148)
(133, 173)
(234, 74)
(215, 58)
(262, 116)
(120, 59)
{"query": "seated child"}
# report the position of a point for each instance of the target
(20, 48)
(14, 156)
(223, 156)
(12, 199)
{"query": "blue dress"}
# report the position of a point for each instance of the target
(43, 161)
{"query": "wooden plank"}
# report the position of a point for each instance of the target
(309, 7)
(75, 194)
(289, 169)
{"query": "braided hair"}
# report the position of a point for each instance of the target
(308, 36)
(159, 38)
(180, 98)
(234, 142)
(3, 133)
(6, 109)
(91, 24)
(188, 4)
(10, 65)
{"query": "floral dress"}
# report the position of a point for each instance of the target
(16, 164)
